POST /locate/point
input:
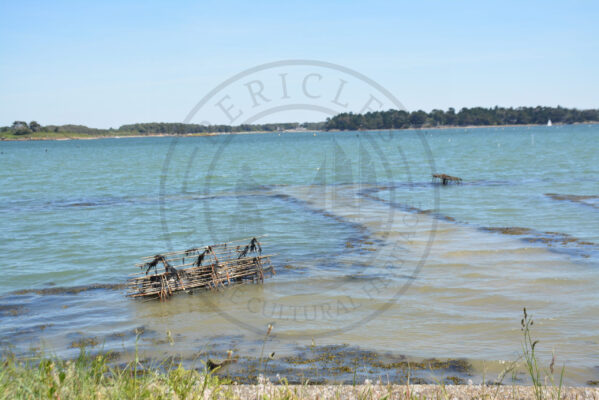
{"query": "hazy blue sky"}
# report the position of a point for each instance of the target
(113, 62)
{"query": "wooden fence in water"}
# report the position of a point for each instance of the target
(209, 267)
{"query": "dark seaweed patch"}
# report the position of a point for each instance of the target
(12, 310)
(69, 290)
(574, 198)
(84, 204)
(454, 380)
(318, 365)
(344, 364)
(369, 193)
(85, 342)
(292, 267)
(510, 230)
(547, 238)
(130, 334)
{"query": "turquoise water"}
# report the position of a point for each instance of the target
(336, 209)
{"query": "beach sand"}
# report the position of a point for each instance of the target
(378, 391)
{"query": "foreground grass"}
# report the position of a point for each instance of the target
(91, 376)
(94, 376)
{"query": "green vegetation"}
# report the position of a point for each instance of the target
(33, 130)
(478, 116)
(91, 376)
(182, 129)
(533, 368)
(391, 119)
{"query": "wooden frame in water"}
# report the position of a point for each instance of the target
(209, 267)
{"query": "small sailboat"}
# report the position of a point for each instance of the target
(549, 123)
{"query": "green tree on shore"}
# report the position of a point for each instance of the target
(476, 116)
(390, 119)
(34, 126)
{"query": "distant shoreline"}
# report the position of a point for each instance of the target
(76, 136)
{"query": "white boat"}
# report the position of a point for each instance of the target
(549, 122)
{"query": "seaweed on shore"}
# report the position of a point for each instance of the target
(344, 364)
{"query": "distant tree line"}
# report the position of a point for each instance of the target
(391, 119)
(477, 116)
(168, 128)
(24, 128)
(182, 129)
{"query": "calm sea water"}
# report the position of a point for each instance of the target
(369, 252)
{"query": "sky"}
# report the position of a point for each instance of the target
(108, 63)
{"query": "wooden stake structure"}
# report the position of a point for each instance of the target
(446, 179)
(210, 267)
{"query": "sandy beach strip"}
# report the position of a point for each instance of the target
(382, 391)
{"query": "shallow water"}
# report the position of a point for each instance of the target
(369, 252)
